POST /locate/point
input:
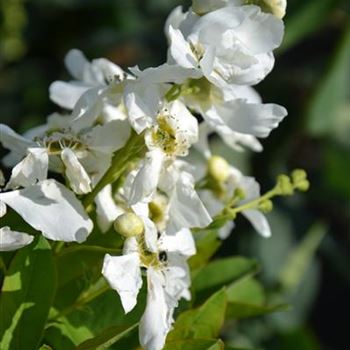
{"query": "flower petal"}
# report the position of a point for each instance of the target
(78, 178)
(76, 63)
(106, 209)
(259, 221)
(154, 325)
(123, 274)
(31, 169)
(146, 179)
(12, 240)
(181, 242)
(65, 94)
(186, 210)
(51, 208)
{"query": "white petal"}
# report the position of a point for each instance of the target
(167, 73)
(180, 50)
(31, 169)
(226, 230)
(253, 119)
(142, 102)
(76, 63)
(65, 94)
(177, 279)
(150, 235)
(102, 71)
(51, 208)
(109, 137)
(260, 32)
(123, 274)
(106, 209)
(181, 242)
(146, 180)
(78, 178)
(3, 209)
(87, 109)
(13, 141)
(154, 325)
(259, 221)
(186, 210)
(12, 240)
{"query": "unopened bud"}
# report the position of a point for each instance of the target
(300, 180)
(128, 225)
(218, 168)
(266, 206)
(276, 7)
(239, 193)
(285, 185)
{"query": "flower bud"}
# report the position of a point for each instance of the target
(239, 193)
(266, 206)
(284, 185)
(128, 225)
(276, 7)
(218, 168)
(300, 180)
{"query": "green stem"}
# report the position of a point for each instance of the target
(134, 148)
(255, 202)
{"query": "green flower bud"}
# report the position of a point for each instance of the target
(266, 206)
(285, 186)
(239, 193)
(128, 225)
(218, 168)
(300, 180)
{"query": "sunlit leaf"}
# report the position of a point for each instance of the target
(106, 338)
(26, 297)
(195, 344)
(202, 322)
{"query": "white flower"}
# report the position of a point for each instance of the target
(231, 45)
(99, 73)
(83, 154)
(168, 280)
(51, 208)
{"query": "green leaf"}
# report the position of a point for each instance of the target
(306, 20)
(195, 344)
(106, 338)
(240, 310)
(222, 272)
(246, 298)
(207, 243)
(325, 109)
(203, 322)
(247, 290)
(27, 295)
(300, 258)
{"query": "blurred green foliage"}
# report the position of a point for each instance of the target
(311, 79)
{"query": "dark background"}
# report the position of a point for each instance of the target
(311, 79)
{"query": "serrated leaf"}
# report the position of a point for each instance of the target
(106, 338)
(195, 344)
(27, 295)
(222, 272)
(202, 322)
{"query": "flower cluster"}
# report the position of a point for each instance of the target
(121, 148)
